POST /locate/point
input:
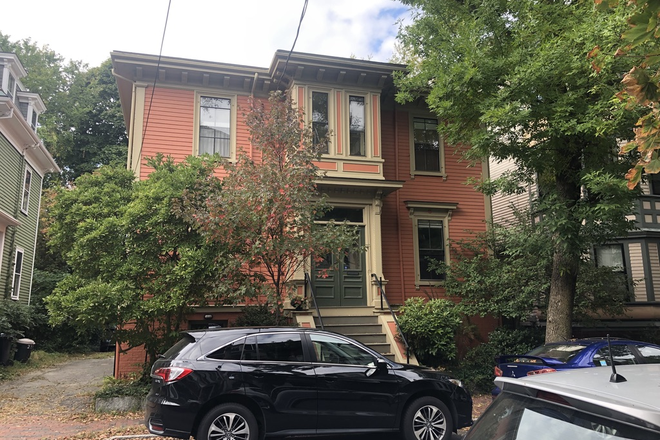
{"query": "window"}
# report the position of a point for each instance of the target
(651, 355)
(215, 116)
(426, 141)
(25, 204)
(430, 247)
(621, 354)
(231, 351)
(34, 120)
(612, 256)
(274, 347)
(320, 124)
(329, 349)
(11, 86)
(654, 184)
(356, 114)
(18, 268)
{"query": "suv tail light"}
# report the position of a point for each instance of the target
(541, 371)
(498, 371)
(172, 374)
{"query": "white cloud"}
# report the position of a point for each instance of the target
(246, 32)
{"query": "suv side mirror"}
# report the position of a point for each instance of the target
(381, 367)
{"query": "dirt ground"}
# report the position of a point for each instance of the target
(57, 403)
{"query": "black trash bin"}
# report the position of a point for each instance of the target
(24, 347)
(5, 347)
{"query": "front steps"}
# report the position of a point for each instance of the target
(364, 324)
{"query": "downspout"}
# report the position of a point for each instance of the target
(398, 204)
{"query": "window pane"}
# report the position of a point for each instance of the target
(610, 256)
(26, 191)
(280, 347)
(651, 355)
(357, 125)
(215, 126)
(329, 349)
(320, 120)
(229, 352)
(427, 144)
(430, 242)
(620, 353)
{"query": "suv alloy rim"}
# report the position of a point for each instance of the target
(229, 426)
(429, 423)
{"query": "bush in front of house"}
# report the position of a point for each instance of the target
(430, 329)
(476, 369)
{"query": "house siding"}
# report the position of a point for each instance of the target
(12, 170)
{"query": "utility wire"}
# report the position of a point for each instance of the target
(302, 15)
(153, 88)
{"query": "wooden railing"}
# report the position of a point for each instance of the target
(383, 302)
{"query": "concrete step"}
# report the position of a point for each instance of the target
(369, 338)
(333, 320)
(353, 329)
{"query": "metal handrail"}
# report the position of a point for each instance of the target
(308, 282)
(396, 321)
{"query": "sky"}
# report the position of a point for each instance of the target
(246, 32)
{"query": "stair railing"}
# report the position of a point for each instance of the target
(383, 297)
(308, 284)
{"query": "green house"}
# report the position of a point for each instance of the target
(24, 161)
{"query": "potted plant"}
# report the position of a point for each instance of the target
(298, 302)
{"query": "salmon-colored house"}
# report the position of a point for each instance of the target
(386, 170)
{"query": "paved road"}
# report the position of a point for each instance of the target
(56, 402)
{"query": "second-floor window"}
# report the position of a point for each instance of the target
(356, 114)
(11, 86)
(320, 124)
(215, 126)
(26, 191)
(427, 145)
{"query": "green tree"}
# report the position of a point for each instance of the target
(506, 272)
(267, 209)
(641, 85)
(134, 263)
(513, 81)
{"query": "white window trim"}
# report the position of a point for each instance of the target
(429, 211)
(232, 121)
(25, 202)
(16, 292)
(413, 172)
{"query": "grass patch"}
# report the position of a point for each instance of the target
(41, 359)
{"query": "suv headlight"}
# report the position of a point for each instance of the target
(457, 382)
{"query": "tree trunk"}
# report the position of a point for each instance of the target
(562, 292)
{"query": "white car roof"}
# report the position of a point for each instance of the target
(638, 396)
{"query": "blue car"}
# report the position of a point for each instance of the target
(575, 353)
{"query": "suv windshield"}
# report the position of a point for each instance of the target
(513, 417)
(563, 353)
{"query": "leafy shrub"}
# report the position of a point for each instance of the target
(134, 387)
(15, 318)
(430, 329)
(476, 368)
(258, 315)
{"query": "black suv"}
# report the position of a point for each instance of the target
(245, 383)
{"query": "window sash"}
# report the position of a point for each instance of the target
(215, 126)
(25, 203)
(357, 125)
(18, 269)
(430, 246)
(427, 144)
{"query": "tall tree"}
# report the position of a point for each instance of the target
(134, 262)
(513, 80)
(83, 126)
(268, 208)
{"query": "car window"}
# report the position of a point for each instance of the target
(561, 352)
(274, 347)
(514, 417)
(651, 355)
(621, 354)
(180, 346)
(329, 349)
(231, 351)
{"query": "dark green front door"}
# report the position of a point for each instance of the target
(340, 280)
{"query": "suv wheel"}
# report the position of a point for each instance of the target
(229, 421)
(427, 418)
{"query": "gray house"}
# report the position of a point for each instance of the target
(24, 161)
